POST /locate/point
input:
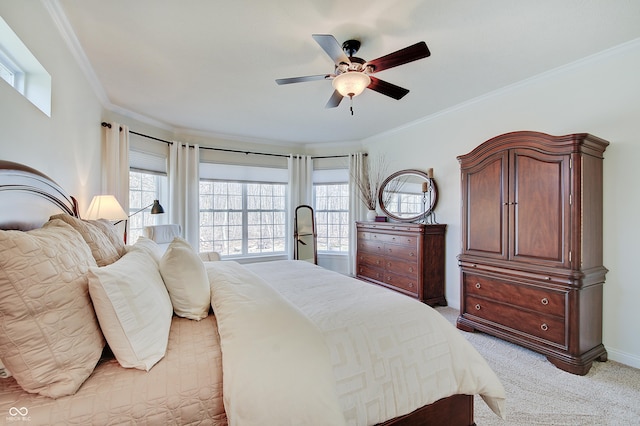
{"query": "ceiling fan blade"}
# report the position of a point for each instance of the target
(303, 79)
(330, 45)
(400, 57)
(334, 100)
(388, 89)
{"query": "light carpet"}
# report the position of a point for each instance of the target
(538, 393)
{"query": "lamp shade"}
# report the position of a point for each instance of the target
(156, 208)
(351, 83)
(105, 207)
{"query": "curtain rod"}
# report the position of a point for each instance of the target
(105, 124)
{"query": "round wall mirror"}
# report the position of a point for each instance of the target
(408, 195)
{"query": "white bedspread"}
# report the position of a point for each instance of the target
(389, 354)
(276, 366)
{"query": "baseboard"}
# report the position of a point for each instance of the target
(623, 357)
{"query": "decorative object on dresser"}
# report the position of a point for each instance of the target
(406, 257)
(409, 196)
(531, 261)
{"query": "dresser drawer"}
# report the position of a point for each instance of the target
(402, 282)
(537, 299)
(403, 267)
(371, 259)
(546, 327)
(404, 252)
(368, 271)
(408, 240)
(371, 246)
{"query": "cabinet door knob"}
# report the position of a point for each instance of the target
(477, 306)
(544, 301)
(478, 285)
(544, 327)
(410, 268)
(410, 285)
(412, 254)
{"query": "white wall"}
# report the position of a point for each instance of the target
(599, 95)
(65, 146)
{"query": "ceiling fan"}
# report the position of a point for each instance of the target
(352, 75)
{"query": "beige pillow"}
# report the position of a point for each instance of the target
(186, 279)
(102, 249)
(112, 233)
(133, 309)
(49, 336)
(148, 246)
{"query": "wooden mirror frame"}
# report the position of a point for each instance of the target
(433, 195)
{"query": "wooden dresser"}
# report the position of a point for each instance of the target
(531, 260)
(405, 257)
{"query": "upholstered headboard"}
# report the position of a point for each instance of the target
(28, 197)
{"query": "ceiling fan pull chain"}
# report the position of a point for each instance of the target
(351, 104)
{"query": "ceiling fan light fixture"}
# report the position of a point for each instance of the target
(351, 83)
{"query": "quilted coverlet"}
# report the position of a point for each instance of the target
(389, 354)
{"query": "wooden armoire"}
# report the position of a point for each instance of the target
(531, 260)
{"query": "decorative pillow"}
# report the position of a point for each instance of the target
(186, 279)
(148, 246)
(110, 230)
(133, 309)
(49, 336)
(102, 249)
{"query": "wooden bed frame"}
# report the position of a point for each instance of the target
(28, 198)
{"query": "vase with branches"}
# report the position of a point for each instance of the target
(368, 181)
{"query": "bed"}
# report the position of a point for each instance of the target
(282, 342)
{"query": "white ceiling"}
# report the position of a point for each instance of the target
(209, 66)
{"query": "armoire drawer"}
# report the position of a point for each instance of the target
(537, 299)
(547, 327)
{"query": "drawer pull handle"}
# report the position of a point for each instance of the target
(477, 306)
(478, 285)
(410, 285)
(544, 301)
(544, 327)
(547, 278)
(412, 254)
(410, 268)
(378, 262)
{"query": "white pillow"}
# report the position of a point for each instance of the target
(186, 279)
(149, 246)
(133, 309)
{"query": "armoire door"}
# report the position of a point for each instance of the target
(539, 208)
(484, 212)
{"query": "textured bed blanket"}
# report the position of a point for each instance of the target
(389, 354)
(275, 363)
(184, 388)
